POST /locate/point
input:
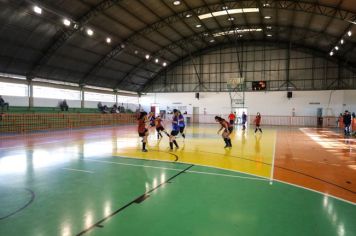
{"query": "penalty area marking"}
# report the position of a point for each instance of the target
(85, 171)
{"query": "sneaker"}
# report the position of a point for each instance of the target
(144, 150)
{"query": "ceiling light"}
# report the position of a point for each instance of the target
(37, 9)
(176, 3)
(225, 7)
(164, 64)
(336, 48)
(147, 56)
(269, 27)
(228, 12)
(231, 18)
(66, 22)
(157, 60)
(108, 40)
(206, 34)
(90, 32)
(236, 31)
(342, 41)
(212, 40)
(76, 26)
(349, 33)
(269, 35)
(266, 5)
(331, 53)
(198, 26)
(136, 52)
(188, 15)
(268, 17)
(122, 45)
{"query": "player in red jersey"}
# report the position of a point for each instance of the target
(159, 127)
(232, 118)
(142, 130)
(227, 127)
(258, 122)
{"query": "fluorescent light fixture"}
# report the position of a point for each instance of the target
(188, 15)
(228, 12)
(236, 31)
(331, 53)
(198, 26)
(336, 48)
(176, 3)
(231, 18)
(266, 5)
(225, 7)
(90, 32)
(164, 64)
(136, 52)
(37, 10)
(108, 40)
(212, 40)
(66, 22)
(268, 17)
(342, 41)
(269, 35)
(122, 45)
(269, 27)
(147, 56)
(349, 33)
(157, 60)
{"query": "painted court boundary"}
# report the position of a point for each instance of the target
(280, 181)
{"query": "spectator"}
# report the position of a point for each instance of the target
(3, 104)
(102, 109)
(63, 105)
(114, 109)
(347, 122)
(353, 115)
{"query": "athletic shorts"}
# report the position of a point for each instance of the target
(181, 129)
(230, 129)
(143, 134)
(159, 129)
(152, 124)
(174, 132)
(231, 122)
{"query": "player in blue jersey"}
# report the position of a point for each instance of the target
(181, 124)
(175, 130)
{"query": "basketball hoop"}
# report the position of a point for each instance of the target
(234, 83)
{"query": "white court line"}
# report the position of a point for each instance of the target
(86, 171)
(316, 191)
(188, 171)
(281, 181)
(273, 157)
(224, 175)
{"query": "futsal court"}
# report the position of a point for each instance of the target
(98, 182)
(178, 118)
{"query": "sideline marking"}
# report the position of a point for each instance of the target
(86, 171)
(273, 157)
(173, 169)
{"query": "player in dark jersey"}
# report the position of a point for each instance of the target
(142, 130)
(181, 124)
(152, 119)
(227, 127)
(175, 130)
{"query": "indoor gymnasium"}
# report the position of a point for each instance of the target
(177, 117)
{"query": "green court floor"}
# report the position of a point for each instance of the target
(120, 196)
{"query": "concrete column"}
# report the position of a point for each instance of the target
(82, 99)
(30, 93)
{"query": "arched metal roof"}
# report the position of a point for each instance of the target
(40, 45)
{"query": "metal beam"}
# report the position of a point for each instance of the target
(62, 37)
(299, 6)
